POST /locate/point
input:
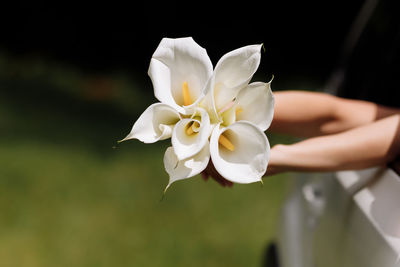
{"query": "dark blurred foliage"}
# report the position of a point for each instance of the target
(303, 39)
(300, 37)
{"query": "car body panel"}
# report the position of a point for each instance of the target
(349, 218)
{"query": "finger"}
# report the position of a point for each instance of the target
(204, 175)
(220, 180)
(271, 171)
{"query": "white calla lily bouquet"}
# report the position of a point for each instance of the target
(208, 113)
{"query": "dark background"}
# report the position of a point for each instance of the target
(303, 39)
(300, 37)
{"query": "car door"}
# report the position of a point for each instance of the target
(348, 218)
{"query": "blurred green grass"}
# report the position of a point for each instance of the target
(68, 198)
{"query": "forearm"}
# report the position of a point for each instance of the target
(370, 145)
(309, 114)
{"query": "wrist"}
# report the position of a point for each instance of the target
(278, 160)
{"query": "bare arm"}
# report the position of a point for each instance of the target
(309, 114)
(344, 134)
(370, 145)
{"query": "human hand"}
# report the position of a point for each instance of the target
(210, 171)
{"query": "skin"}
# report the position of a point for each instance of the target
(340, 134)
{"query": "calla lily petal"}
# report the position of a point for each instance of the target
(255, 103)
(191, 135)
(228, 115)
(246, 159)
(155, 123)
(233, 72)
(177, 62)
(208, 102)
(179, 170)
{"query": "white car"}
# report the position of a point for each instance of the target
(348, 218)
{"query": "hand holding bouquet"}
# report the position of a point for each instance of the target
(208, 112)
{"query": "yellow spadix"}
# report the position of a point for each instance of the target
(187, 100)
(226, 143)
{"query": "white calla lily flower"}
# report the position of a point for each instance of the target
(232, 73)
(208, 113)
(187, 168)
(255, 103)
(179, 70)
(191, 135)
(240, 152)
(155, 123)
